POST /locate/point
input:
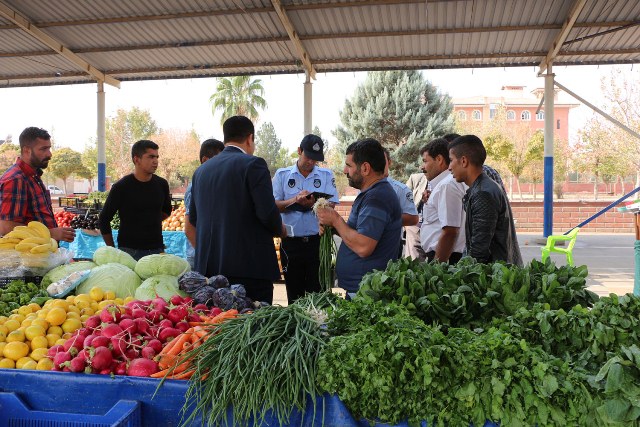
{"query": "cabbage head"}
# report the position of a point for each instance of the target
(115, 277)
(64, 270)
(161, 285)
(153, 265)
(107, 254)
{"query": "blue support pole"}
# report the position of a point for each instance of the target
(102, 158)
(548, 196)
(102, 177)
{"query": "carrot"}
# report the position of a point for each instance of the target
(184, 375)
(175, 345)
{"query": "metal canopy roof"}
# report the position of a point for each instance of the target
(44, 42)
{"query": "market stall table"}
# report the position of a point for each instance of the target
(86, 243)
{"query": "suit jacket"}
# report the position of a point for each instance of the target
(235, 215)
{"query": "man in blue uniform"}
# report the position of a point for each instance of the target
(293, 189)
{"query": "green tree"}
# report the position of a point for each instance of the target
(269, 147)
(64, 163)
(122, 131)
(562, 163)
(239, 95)
(8, 154)
(89, 163)
(400, 109)
(597, 153)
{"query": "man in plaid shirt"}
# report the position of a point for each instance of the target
(23, 196)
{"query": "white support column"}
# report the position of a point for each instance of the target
(308, 110)
(548, 151)
(102, 157)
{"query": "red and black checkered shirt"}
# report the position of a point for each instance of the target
(23, 196)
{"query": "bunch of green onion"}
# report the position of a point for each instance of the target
(327, 249)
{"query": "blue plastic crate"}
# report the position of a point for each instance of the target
(14, 413)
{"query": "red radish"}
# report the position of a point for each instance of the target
(165, 323)
(121, 369)
(128, 325)
(187, 300)
(74, 342)
(155, 344)
(193, 317)
(215, 311)
(176, 300)
(155, 316)
(100, 341)
(87, 341)
(153, 331)
(127, 311)
(66, 369)
(92, 322)
(159, 304)
(101, 359)
(177, 314)
(82, 332)
(119, 346)
(148, 352)
(111, 330)
(77, 364)
(106, 371)
(201, 307)
(142, 367)
(138, 313)
(60, 358)
(110, 313)
(166, 333)
(131, 354)
(55, 350)
(141, 325)
(182, 326)
(126, 316)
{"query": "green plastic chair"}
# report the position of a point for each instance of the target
(568, 251)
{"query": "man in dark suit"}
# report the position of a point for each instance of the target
(235, 214)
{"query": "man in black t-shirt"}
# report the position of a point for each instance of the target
(142, 200)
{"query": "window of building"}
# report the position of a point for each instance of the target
(558, 124)
(476, 115)
(540, 116)
(525, 115)
(511, 115)
(462, 115)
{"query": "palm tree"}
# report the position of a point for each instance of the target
(238, 96)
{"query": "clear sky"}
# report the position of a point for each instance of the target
(69, 112)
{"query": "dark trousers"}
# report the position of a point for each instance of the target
(139, 253)
(453, 259)
(302, 261)
(257, 289)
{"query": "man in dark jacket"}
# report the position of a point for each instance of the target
(235, 214)
(490, 231)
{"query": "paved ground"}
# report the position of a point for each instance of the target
(609, 257)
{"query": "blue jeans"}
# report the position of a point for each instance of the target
(139, 253)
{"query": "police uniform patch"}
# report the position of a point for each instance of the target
(333, 182)
(410, 197)
(291, 183)
(317, 183)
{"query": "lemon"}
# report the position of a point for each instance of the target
(105, 303)
(12, 325)
(24, 310)
(81, 305)
(73, 315)
(2, 345)
(56, 316)
(15, 336)
(9, 364)
(43, 313)
(3, 319)
(96, 294)
(71, 325)
(73, 309)
(26, 323)
(22, 362)
(84, 318)
(87, 311)
(45, 364)
(3, 337)
(39, 342)
(34, 331)
(55, 330)
(19, 317)
(71, 299)
(109, 295)
(52, 339)
(38, 354)
(15, 350)
(4, 330)
(95, 306)
(41, 322)
(66, 335)
(128, 299)
(34, 307)
(60, 303)
(119, 301)
(61, 341)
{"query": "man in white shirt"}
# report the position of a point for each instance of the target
(442, 232)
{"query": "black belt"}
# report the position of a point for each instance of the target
(305, 239)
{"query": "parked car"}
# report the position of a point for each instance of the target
(54, 189)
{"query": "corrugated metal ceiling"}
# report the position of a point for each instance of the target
(160, 39)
